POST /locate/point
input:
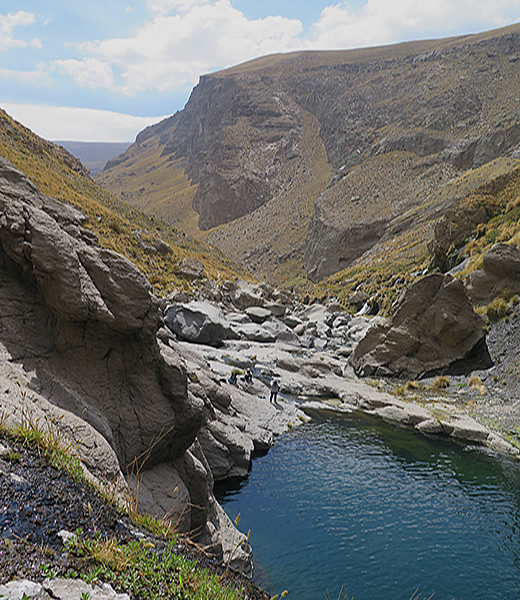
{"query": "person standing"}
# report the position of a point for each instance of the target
(274, 386)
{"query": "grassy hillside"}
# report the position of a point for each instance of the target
(118, 225)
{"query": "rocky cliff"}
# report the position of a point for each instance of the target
(80, 321)
(312, 160)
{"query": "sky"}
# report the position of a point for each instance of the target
(103, 70)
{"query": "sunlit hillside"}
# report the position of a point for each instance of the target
(157, 248)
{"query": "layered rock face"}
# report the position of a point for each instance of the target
(314, 160)
(233, 178)
(81, 319)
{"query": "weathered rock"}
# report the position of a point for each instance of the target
(227, 542)
(258, 314)
(245, 296)
(198, 322)
(79, 282)
(82, 320)
(228, 449)
(357, 299)
(255, 333)
(276, 309)
(453, 228)
(71, 589)
(432, 326)
(466, 428)
(160, 491)
(292, 320)
(190, 268)
(330, 247)
(19, 404)
(205, 387)
(500, 273)
(317, 313)
(430, 427)
(404, 413)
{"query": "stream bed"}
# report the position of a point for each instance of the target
(348, 507)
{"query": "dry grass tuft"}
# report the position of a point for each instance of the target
(441, 382)
(475, 383)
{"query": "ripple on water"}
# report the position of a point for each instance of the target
(381, 512)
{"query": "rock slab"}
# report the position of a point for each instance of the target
(432, 326)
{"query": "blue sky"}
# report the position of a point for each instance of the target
(103, 70)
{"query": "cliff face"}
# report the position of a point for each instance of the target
(367, 135)
(82, 321)
(236, 140)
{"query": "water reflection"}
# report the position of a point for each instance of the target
(379, 511)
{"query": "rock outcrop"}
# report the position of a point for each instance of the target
(82, 320)
(226, 191)
(500, 275)
(432, 326)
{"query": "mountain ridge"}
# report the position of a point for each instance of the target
(304, 129)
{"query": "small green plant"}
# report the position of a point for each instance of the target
(146, 574)
(47, 571)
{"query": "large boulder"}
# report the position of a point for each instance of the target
(198, 322)
(500, 273)
(246, 295)
(432, 326)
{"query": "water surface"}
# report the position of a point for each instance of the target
(351, 506)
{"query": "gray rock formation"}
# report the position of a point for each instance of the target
(500, 273)
(331, 247)
(453, 228)
(72, 589)
(432, 326)
(81, 319)
(198, 322)
(226, 191)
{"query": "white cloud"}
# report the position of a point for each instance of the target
(8, 23)
(38, 74)
(78, 124)
(380, 21)
(89, 72)
(172, 50)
